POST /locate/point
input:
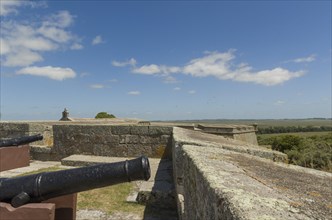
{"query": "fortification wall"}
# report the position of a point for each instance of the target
(62, 139)
(247, 137)
(216, 181)
(109, 140)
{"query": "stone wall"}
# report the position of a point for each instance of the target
(244, 133)
(216, 181)
(108, 140)
(249, 137)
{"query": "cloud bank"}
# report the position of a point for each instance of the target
(55, 73)
(23, 44)
(221, 66)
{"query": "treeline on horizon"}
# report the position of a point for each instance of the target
(248, 119)
(292, 129)
(260, 122)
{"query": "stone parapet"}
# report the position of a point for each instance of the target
(237, 132)
(214, 182)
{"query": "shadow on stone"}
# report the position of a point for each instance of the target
(159, 193)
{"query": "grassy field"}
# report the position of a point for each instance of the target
(109, 199)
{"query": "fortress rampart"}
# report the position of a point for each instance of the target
(215, 177)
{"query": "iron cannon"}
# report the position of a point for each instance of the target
(20, 140)
(42, 186)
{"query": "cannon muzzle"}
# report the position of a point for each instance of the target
(42, 186)
(20, 140)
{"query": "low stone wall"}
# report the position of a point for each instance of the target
(116, 141)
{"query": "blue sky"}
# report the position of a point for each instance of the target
(165, 60)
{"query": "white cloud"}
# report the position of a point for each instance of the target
(97, 40)
(22, 43)
(170, 79)
(55, 73)
(8, 7)
(19, 36)
(279, 102)
(148, 69)
(154, 69)
(76, 46)
(177, 89)
(308, 59)
(97, 86)
(54, 33)
(214, 64)
(221, 66)
(24, 57)
(131, 62)
(268, 77)
(134, 93)
(62, 19)
(191, 92)
(4, 47)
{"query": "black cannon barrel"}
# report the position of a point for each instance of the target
(39, 187)
(20, 140)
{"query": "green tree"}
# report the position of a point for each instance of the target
(286, 142)
(104, 115)
(314, 151)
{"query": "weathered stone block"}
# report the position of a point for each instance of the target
(132, 139)
(121, 130)
(165, 139)
(113, 139)
(11, 130)
(157, 130)
(136, 150)
(140, 130)
(149, 140)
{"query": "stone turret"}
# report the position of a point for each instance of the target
(65, 116)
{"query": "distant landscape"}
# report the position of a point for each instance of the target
(307, 142)
(262, 123)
